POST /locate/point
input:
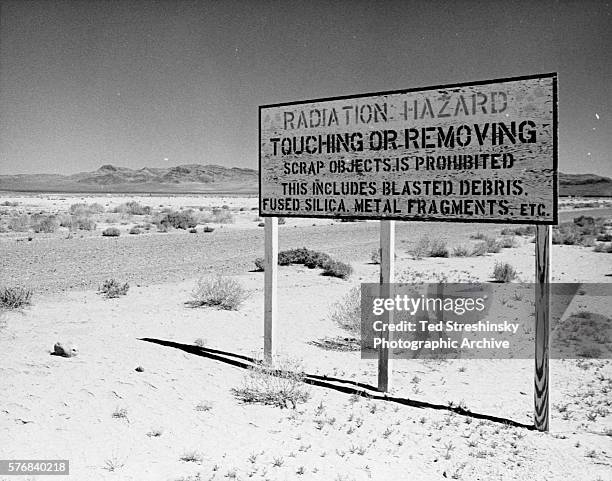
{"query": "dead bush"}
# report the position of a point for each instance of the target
(426, 247)
(504, 272)
(337, 269)
(111, 232)
(132, 208)
(112, 289)
(20, 223)
(219, 291)
(15, 297)
(46, 224)
(277, 383)
(346, 312)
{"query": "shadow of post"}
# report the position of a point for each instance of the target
(341, 385)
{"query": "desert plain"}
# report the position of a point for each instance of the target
(153, 391)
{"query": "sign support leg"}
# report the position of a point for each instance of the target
(387, 268)
(270, 286)
(542, 326)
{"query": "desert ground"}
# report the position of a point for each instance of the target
(154, 392)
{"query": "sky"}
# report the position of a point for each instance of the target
(161, 83)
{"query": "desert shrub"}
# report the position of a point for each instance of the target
(504, 272)
(606, 237)
(208, 229)
(132, 208)
(260, 264)
(19, 223)
(567, 233)
(526, 230)
(218, 216)
(421, 249)
(587, 241)
(508, 242)
(478, 236)
(607, 248)
(219, 291)
(346, 312)
(46, 224)
(83, 223)
(65, 220)
(480, 249)
(278, 383)
(7, 203)
(111, 288)
(294, 256)
(437, 248)
(582, 231)
(111, 232)
(179, 220)
(77, 222)
(565, 237)
(492, 245)
(461, 251)
(282, 221)
(584, 221)
(314, 259)
(15, 297)
(301, 255)
(261, 224)
(337, 269)
(570, 233)
(193, 230)
(426, 247)
(82, 209)
(135, 230)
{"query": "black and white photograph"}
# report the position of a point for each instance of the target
(341, 240)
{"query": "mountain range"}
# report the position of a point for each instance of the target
(199, 178)
(109, 178)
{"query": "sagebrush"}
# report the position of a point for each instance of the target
(219, 291)
(111, 288)
(15, 297)
(504, 272)
(337, 269)
(427, 247)
(178, 220)
(311, 259)
(277, 383)
(346, 312)
(111, 232)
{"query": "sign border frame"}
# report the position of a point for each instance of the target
(554, 221)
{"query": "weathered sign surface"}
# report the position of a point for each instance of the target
(475, 152)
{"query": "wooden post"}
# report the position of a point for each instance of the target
(387, 267)
(270, 285)
(542, 325)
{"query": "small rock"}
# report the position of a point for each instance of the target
(65, 349)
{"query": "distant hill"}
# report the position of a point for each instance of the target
(584, 185)
(110, 178)
(213, 178)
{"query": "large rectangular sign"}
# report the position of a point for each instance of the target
(474, 152)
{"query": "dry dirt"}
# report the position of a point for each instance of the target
(179, 420)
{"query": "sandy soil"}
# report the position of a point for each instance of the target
(179, 420)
